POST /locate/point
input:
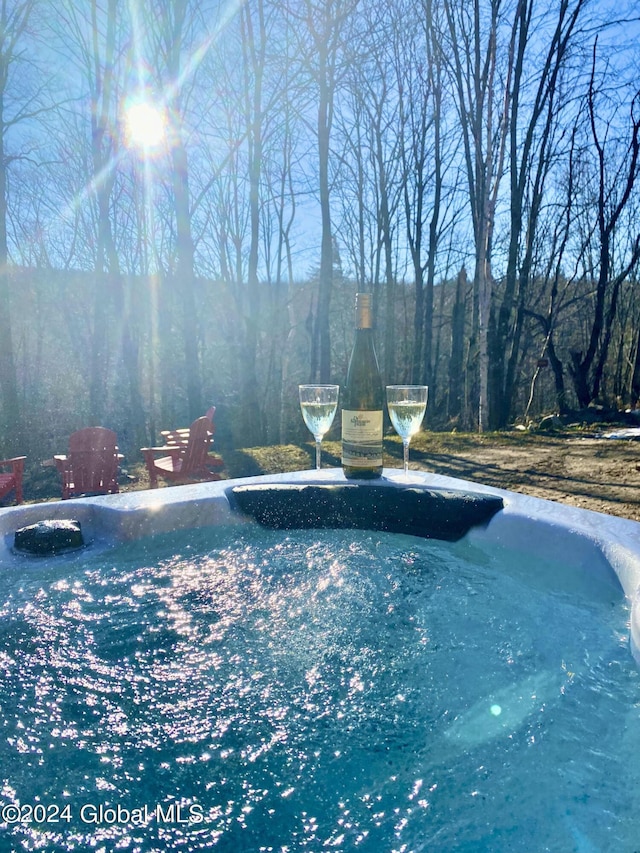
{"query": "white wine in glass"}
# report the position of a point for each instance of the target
(407, 405)
(318, 404)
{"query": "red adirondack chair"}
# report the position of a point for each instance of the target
(182, 462)
(180, 438)
(91, 468)
(12, 481)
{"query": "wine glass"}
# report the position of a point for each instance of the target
(318, 404)
(407, 405)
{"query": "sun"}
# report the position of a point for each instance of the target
(145, 125)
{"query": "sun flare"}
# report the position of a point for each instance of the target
(145, 125)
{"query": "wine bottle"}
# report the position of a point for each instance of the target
(363, 401)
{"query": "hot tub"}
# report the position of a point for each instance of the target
(193, 681)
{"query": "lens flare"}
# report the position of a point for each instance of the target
(145, 125)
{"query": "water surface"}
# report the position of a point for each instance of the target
(316, 690)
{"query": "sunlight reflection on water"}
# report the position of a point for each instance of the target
(322, 689)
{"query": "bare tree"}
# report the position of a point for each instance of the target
(15, 107)
(417, 124)
(370, 185)
(613, 195)
(423, 362)
(532, 140)
(176, 26)
(320, 27)
(557, 287)
(482, 101)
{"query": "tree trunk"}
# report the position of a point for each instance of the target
(456, 361)
(252, 419)
(635, 376)
(102, 86)
(10, 420)
(10, 416)
(484, 311)
(389, 288)
(14, 22)
(435, 70)
(322, 333)
(185, 278)
(558, 377)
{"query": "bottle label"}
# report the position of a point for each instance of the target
(362, 438)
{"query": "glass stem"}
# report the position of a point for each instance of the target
(318, 446)
(405, 454)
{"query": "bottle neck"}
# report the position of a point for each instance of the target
(364, 315)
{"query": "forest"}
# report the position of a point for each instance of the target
(192, 192)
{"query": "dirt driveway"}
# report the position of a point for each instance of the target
(592, 473)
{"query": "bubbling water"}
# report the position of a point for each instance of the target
(346, 690)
